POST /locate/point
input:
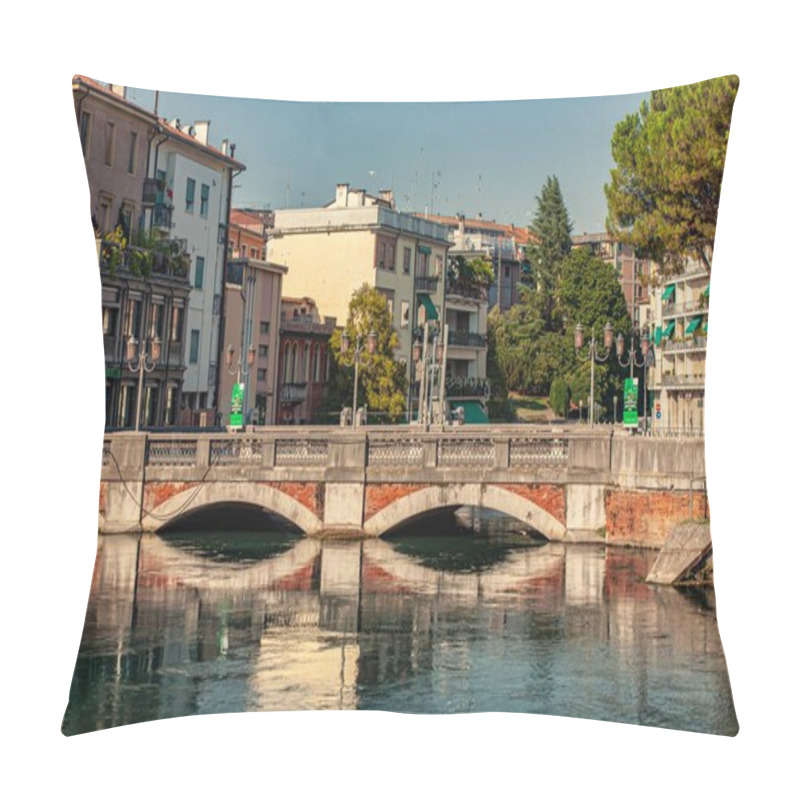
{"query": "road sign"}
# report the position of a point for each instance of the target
(237, 403)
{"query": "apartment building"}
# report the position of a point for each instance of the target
(358, 238)
(144, 291)
(679, 328)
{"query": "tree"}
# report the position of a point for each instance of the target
(471, 276)
(382, 380)
(664, 192)
(553, 232)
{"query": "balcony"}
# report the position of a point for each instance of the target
(471, 292)
(698, 343)
(466, 339)
(683, 381)
(162, 217)
(426, 283)
(293, 393)
(689, 307)
(466, 388)
(168, 260)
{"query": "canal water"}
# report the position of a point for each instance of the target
(460, 614)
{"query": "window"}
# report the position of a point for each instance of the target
(190, 195)
(176, 328)
(109, 320)
(404, 313)
(132, 153)
(156, 320)
(263, 351)
(86, 129)
(422, 265)
(199, 268)
(264, 327)
(204, 200)
(406, 260)
(439, 265)
(109, 156)
(133, 326)
(315, 364)
(105, 214)
(194, 346)
(261, 374)
(287, 375)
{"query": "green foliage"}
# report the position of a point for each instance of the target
(469, 275)
(382, 381)
(498, 405)
(664, 192)
(559, 397)
(553, 230)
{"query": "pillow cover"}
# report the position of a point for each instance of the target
(416, 446)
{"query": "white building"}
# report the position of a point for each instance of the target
(192, 182)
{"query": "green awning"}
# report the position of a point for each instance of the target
(668, 330)
(473, 412)
(430, 308)
(657, 336)
(423, 249)
(668, 292)
(705, 292)
(705, 327)
(694, 325)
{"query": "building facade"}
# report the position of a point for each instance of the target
(144, 290)
(252, 317)
(304, 362)
(678, 329)
(360, 239)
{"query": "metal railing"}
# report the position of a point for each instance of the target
(683, 380)
(676, 309)
(467, 387)
(698, 343)
(426, 283)
(466, 339)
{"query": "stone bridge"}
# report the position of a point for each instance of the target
(568, 483)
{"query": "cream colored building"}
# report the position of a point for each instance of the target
(678, 327)
(357, 239)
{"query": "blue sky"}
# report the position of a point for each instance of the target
(487, 157)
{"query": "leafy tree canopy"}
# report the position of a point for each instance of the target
(470, 275)
(382, 380)
(664, 192)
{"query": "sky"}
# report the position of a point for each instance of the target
(488, 158)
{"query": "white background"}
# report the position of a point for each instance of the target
(52, 398)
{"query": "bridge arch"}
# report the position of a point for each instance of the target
(250, 493)
(431, 498)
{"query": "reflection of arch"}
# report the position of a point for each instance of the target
(434, 498)
(256, 494)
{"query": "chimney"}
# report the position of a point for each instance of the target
(387, 195)
(358, 194)
(201, 131)
(461, 224)
(224, 147)
(341, 194)
(118, 90)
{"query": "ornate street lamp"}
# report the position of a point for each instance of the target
(647, 359)
(138, 360)
(594, 356)
(430, 362)
(359, 358)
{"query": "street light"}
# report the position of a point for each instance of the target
(239, 370)
(594, 356)
(137, 360)
(430, 362)
(647, 358)
(359, 359)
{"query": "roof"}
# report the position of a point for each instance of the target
(157, 121)
(520, 235)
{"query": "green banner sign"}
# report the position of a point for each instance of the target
(630, 413)
(237, 404)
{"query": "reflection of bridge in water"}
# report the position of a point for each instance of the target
(569, 484)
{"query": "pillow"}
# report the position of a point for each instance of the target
(381, 433)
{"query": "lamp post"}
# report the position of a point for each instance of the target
(430, 358)
(358, 359)
(633, 361)
(594, 356)
(239, 370)
(138, 360)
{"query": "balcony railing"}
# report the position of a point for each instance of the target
(293, 392)
(140, 261)
(676, 309)
(466, 339)
(683, 380)
(462, 290)
(426, 283)
(698, 343)
(455, 387)
(162, 216)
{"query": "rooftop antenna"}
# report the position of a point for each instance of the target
(155, 107)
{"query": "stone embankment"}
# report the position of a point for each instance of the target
(685, 556)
